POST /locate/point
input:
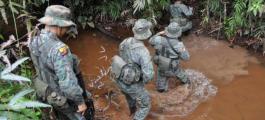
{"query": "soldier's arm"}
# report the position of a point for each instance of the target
(63, 66)
(156, 40)
(183, 52)
(188, 11)
(146, 65)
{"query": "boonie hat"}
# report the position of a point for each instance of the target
(141, 29)
(57, 15)
(173, 30)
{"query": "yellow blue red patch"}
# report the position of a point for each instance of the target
(63, 50)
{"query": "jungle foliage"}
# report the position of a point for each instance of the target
(244, 17)
(229, 17)
(237, 18)
(16, 102)
(90, 11)
(17, 99)
(18, 11)
(85, 12)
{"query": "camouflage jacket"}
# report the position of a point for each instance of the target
(163, 48)
(176, 10)
(59, 65)
(136, 52)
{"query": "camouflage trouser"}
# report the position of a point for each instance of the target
(184, 27)
(162, 77)
(140, 102)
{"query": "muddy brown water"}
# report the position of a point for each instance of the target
(239, 76)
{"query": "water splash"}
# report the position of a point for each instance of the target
(184, 99)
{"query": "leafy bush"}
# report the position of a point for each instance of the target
(242, 17)
(83, 11)
(19, 105)
(17, 9)
(151, 9)
(86, 12)
(112, 9)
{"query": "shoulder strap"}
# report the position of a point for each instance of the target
(169, 43)
(126, 48)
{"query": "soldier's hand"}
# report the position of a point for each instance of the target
(178, 2)
(161, 33)
(82, 108)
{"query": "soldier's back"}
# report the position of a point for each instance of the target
(130, 49)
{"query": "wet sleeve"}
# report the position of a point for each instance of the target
(156, 41)
(183, 52)
(63, 66)
(188, 11)
(152, 40)
(146, 65)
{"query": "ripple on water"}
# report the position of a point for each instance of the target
(182, 100)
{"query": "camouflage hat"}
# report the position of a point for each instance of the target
(141, 29)
(173, 30)
(57, 15)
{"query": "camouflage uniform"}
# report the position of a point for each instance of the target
(171, 58)
(177, 10)
(132, 50)
(56, 65)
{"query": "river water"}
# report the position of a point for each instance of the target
(239, 77)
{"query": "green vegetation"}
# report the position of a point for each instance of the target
(231, 18)
(236, 18)
(17, 99)
(90, 11)
(151, 9)
(16, 102)
(17, 10)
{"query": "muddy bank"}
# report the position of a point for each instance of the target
(238, 76)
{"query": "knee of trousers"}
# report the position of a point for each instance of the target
(144, 100)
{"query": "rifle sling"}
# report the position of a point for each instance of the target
(169, 43)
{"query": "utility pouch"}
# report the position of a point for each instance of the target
(58, 101)
(116, 66)
(130, 73)
(164, 63)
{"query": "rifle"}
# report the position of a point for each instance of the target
(90, 112)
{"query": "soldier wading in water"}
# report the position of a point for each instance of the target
(59, 81)
(133, 69)
(180, 13)
(169, 52)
